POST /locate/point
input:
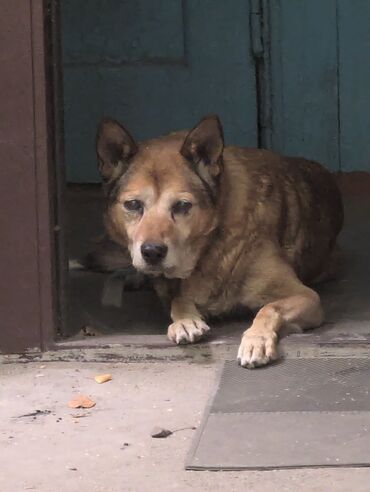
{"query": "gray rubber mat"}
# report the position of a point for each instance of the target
(297, 413)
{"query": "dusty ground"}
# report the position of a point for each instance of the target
(110, 448)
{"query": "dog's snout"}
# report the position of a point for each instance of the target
(153, 253)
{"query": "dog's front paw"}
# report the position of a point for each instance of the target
(187, 330)
(257, 348)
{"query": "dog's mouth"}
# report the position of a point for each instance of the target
(159, 271)
(152, 272)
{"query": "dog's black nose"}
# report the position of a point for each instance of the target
(153, 253)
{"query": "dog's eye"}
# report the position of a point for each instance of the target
(133, 205)
(181, 207)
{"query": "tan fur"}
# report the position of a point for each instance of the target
(272, 227)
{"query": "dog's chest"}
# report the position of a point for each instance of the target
(223, 296)
(219, 283)
(224, 303)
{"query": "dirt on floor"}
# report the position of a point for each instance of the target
(109, 447)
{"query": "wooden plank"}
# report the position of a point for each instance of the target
(304, 83)
(44, 174)
(354, 72)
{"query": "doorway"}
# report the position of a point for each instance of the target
(279, 75)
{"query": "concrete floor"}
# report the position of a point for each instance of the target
(58, 452)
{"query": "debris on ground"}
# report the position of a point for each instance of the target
(161, 433)
(103, 378)
(81, 401)
(89, 331)
(79, 415)
(34, 414)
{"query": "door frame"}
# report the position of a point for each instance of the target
(27, 280)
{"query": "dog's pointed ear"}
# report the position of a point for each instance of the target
(115, 147)
(204, 144)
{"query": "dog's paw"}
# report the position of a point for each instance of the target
(257, 349)
(187, 330)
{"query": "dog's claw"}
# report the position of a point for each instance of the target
(187, 331)
(257, 350)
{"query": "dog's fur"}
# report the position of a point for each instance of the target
(242, 227)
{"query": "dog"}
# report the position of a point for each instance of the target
(218, 227)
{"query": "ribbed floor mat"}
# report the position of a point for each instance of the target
(296, 413)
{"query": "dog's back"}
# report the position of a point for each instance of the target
(292, 201)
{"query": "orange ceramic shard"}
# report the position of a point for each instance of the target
(103, 378)
(81, 401)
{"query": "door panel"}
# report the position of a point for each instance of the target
(303, 79)
(181, 60)
(124, 31)
(354, 73)
(319, 76)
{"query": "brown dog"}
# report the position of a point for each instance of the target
(220, 227)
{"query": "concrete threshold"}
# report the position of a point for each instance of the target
(154, 348)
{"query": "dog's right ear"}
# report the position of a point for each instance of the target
(115, 147)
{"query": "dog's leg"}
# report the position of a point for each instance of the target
(188, 325)
(299, 306)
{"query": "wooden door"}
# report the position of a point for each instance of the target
(317, 73)
(157, 66)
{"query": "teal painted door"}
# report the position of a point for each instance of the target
(157, 66)
(354, 83)
(317, 76)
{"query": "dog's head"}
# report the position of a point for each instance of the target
(162, 194)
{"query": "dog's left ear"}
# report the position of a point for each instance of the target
(115, 147)
(204, 145)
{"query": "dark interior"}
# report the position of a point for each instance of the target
(99, 300)
(158, 67)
